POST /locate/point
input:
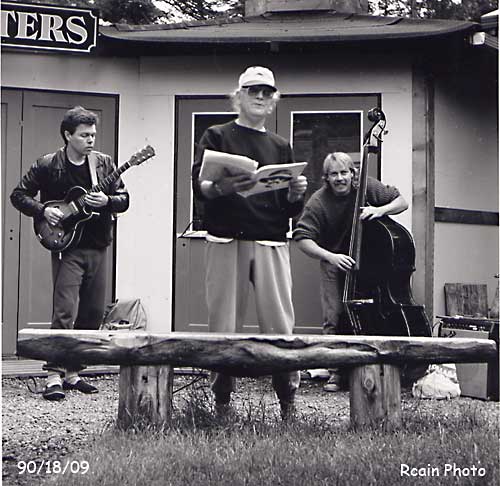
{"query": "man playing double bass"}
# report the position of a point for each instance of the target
(324, 231)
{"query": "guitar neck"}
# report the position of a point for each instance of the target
(110, 178)
(357, 228)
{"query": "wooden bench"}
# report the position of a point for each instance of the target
(147, 362)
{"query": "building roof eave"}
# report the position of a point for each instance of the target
(298, 28)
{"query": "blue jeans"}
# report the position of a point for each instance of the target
(332, 288)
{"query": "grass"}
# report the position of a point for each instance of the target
(254, 448)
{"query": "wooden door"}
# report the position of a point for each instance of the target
(11, 219)
(40, 116)
(315, 126)
(190, 313)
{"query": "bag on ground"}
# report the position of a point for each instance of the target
(440, 382)
(124, 314)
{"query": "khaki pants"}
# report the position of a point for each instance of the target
(231, 269)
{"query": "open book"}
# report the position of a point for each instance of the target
(216, 165)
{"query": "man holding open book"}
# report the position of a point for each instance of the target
(246, 236)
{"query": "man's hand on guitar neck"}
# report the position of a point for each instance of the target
(96, 199)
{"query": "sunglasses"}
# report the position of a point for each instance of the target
(254, 91)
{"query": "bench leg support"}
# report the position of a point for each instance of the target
(145, 395)
(375, 396)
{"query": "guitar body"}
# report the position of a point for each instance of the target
(69, 231)
(387, 263)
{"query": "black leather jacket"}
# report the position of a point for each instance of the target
(48, 176)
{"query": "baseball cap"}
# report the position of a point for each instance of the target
(257, 75)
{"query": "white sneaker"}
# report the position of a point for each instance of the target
(333, 383)
(331, 387)
(319, 373)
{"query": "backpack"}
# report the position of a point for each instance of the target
(124, 314)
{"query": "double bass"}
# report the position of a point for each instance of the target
(377, 293)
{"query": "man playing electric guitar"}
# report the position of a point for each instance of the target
(79, 271)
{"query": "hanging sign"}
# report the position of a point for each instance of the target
(36, 26)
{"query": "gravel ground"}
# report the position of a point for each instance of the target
(34, 429)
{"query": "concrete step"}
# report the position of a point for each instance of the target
(12, 368)
(31, 367)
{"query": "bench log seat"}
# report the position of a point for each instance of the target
(147, 361)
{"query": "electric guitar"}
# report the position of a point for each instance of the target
(68, 232)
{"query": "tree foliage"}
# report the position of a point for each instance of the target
(168, 11)
(159, 11)
(434, 9)
(205, 9)
(128, 11)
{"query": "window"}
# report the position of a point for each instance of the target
(315, 134)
